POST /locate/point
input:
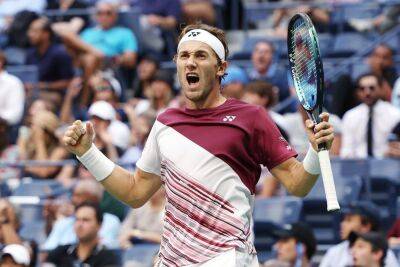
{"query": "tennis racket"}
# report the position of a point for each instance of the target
(308, 78)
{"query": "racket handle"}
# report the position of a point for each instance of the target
(327, 178)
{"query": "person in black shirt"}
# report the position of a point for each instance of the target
(88, 251)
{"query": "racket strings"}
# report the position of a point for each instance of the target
(305, 76)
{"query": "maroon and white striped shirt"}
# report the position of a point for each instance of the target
(209, 161)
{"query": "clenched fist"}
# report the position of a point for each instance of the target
(78, 138)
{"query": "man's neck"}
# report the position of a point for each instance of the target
(213, 100)
(43, 47)
(85, 248)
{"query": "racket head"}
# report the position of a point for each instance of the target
(305, 63)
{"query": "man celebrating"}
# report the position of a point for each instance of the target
(208, 157)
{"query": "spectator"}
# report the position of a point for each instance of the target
(394, 234)
(147, 68)
(296, 245)
(198, 10)
(369, 124)
(263, 68)
(8, 152)
(361, 217)
(234, 82)
(40, 142)
(394, 146)
(53, 61)
(104, 43)
(15, 255)
(12, 95)
(158, 15)
(88, 250)
(368, 249)
(144, 223)
(68, 22)
(63, 232)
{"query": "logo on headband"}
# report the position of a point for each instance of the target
(194, 34)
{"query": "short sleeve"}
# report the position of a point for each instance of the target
(64, 65)
(150, 161)
(270, 147)
(129, 42)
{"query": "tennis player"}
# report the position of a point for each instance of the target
(207, 155)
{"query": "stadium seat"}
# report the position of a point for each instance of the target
(140, 255)
(347, 44)
(27, 73)
(33, 230)
(39, 188)
(270, 214)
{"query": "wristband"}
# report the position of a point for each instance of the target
(96, 163)
(311, 162)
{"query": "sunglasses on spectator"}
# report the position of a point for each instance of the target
(104, 12)
(370, 87)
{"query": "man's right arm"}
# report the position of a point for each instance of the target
(132, 188)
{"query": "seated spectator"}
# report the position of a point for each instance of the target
(234, 82)
(360, 217)
(40, 142)
(158, 15)
(12, 95)
(8, 152)
(198, 10)
(296, 245)
(146, 69)
(368, 249)
(88, 250)
(145, 223)
(104, 43)
(69, 22)
(369, 124)
(63, 232)
(15, 255)
(263, 68)
(394, 234)
(53, 61)
(394, 144)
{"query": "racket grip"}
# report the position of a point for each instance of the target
(327, 178)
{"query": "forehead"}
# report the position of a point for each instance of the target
(105, 7)
(85, 212)
(263, 46)
(362, 242)
(194, 46)
(369, 80)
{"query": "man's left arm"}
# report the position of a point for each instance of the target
(300, 177)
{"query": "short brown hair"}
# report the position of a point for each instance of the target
(263, 89)
(213, 30)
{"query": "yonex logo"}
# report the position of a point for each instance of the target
(194, 34)
(229, 118)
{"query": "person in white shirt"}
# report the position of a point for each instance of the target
(368, 125)
(360, 217)
(12, 95)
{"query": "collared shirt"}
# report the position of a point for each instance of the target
(354, 136)
(112, 42)
(67, 256)
(54, 65)
(12, 98)
(63, 232)
(340, 256)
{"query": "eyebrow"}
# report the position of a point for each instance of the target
(197, 51)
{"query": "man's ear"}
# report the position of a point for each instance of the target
(377, 255)
(222, 68)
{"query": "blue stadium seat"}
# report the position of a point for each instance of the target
(15, 55)
(346, 44)
(27, 73)
(39, 188)
(33, 230)
(141, 255)
(270, 214)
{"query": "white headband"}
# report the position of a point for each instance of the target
(207, 38)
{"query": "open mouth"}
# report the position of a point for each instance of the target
(192, 78)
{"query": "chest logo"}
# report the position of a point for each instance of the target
(229, 118)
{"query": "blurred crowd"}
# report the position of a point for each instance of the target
(93, 65)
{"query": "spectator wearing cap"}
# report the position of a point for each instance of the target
(12, 95)
(263, 68)
(87, 251)
(15, 255)
(368, 249)
(296, 244)
(234, 82)
(361, 217)
(146, 69)
(53, 61)
(40, 142)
